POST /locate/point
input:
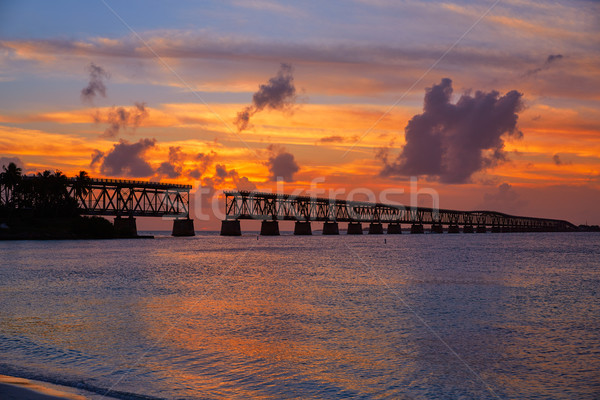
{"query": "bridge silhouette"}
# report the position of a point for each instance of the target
(272, 208)
(127, 199)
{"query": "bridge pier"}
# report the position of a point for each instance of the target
(331, 228)
(125, 227)
(468, 229)
(183, 227)
(302, 228)
(269, 228)
(506, 229)
(453, 229)
(394, 228)
(437, 228)
(496, 229)
(375, 228)
(417, 228)
(354, 228)
(481, 229)
(231, 228)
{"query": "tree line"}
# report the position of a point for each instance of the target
(47, 194)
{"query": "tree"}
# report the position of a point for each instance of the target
(82, 184)
(10, 178)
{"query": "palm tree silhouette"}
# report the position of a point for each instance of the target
(10, 178)
(81, 186)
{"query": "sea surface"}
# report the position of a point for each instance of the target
(468, 316)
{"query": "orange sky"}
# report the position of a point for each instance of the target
(360, 74)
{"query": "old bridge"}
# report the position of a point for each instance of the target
(127, 199)
(271, 208)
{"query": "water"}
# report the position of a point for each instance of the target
(419, 317)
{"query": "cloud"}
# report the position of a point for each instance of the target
(552, 58)
(222, 177)
(125, 159)
(557, 160)
(4, 161)
(173, 167)
(278, 94)
(281, 164)
(197, 164)
(97, 157)
(202, 160)
(122, 119)
(504, 199)
(96, 84)
(450, 142)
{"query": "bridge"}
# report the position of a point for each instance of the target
(127, 199)
(272, 208)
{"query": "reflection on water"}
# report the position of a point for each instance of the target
(426, 316)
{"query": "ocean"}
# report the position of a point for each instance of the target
(467, 316)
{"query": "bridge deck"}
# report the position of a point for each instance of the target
(269, 206)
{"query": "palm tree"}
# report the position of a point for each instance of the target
(10, 179)
(82, 186)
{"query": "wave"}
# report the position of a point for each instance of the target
(10, 370)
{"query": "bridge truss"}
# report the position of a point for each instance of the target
(121, 197)
(268, 206)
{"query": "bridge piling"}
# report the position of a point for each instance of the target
(269, 228)
(183, 227)
(331, 228)
(125, 227)
(437, 228)
(453, 229)
(481, 229)
(231, 228)
(468, 229)
(417, 228)
(394, 228)
(375, 228)
(354, 228)
(302, 228)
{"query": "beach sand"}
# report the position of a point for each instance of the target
(12, 388)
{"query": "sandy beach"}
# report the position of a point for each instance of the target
(12, 388)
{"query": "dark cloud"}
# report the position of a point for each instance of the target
(450, 142)
(558, 161)
(504, 199)
(278, 94)
(281, 164)
(4, 161)
(168, 170)
(125, 159)
(203, 160)
(96, 84)
(332, 139)
(552, 58)
(122, 119)
(176, 165)
(172, 168)
(223, 176)
(222, 173)
(97, 156)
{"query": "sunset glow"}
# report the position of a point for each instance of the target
(176, 81)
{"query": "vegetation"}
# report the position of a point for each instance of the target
(45, 206)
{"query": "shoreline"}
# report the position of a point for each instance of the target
(14, 388)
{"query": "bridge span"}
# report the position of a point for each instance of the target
(271, 208)
(126, 199)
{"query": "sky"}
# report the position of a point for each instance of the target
(488, 104)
